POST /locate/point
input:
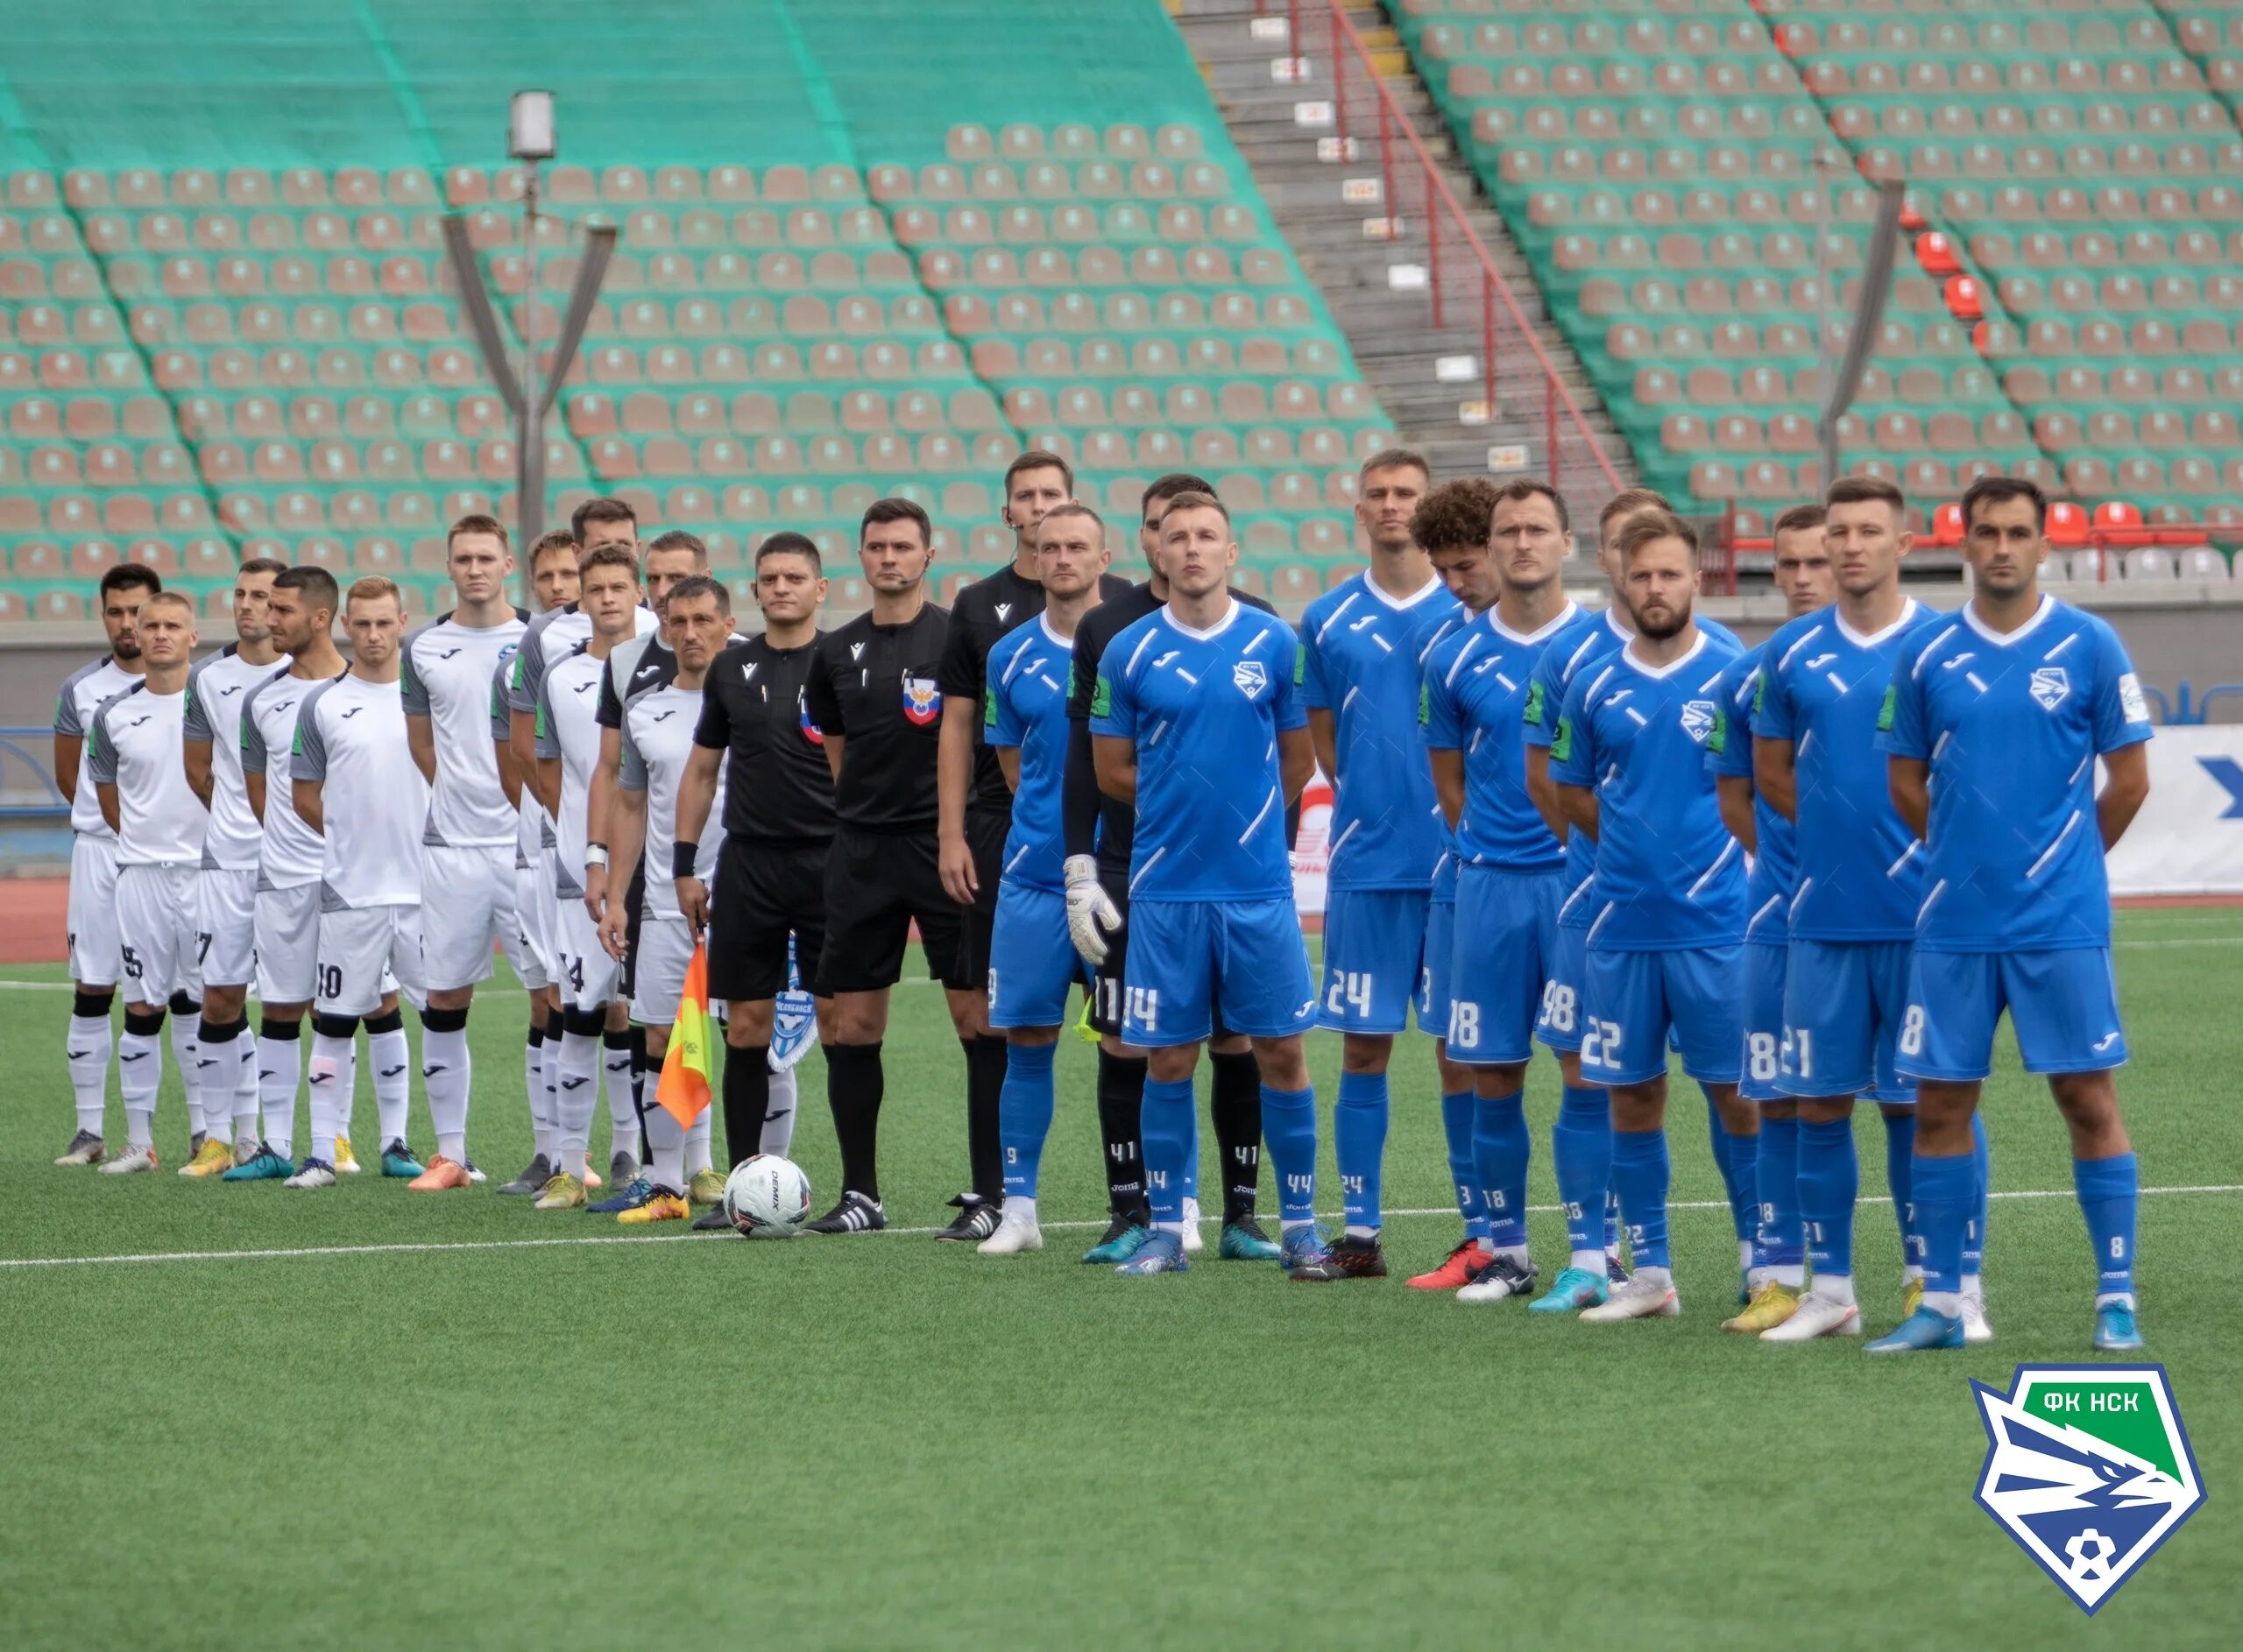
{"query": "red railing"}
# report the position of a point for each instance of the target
(1562, 419)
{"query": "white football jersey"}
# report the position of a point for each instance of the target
(350, 738)
(292, 855)
(658, 726)
(446, 677)
(216, 686)
(552, 637)
(85, 691)
(567, 727)
(138, 746)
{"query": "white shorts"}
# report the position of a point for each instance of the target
(586, 976)
(94, 960)
(158, 915)
(229, 921)
(533, 928)
(658, 977)
(287, 944)
(365, 952)
(467, 907)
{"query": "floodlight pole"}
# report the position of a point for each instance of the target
(529, 467)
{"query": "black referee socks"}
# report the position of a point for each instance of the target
(985, 1087)
(854, 1085)
(747, 1100)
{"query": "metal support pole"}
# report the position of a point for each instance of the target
(1339, 86)
(529, 468)
(1433, 244)
(1488, 341)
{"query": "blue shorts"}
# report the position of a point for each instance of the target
(1032, 962)
(1842, 1019)
(1373, 941)
(1433, 972)
(1506, 941)
(2064, 1003)
(1558, 1023)
(1764, 1020)
(1186, 958)
(1631, 1001)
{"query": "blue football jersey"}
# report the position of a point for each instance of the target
(1477, 679)
(2011, 727)
(1823, 688)
(1768, 888)
(1204, 710)
(1024, 705)
(1364, 655)
(1668, 874)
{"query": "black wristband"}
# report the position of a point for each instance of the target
(682, 859)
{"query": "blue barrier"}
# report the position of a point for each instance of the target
(33, 758)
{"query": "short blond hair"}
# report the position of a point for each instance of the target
(372, 587)
(169, 599)
(1627, 503)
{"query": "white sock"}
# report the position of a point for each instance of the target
(1659, 1277)
(1358, 1231)
(245, 1086)
(1176, 1228)
(533, 1083)
(188, 1055)
(232, 1071)
(1744, 1253)
(696, 1142)
(1589, 1263)
(139, 1071)
(1517, 1252)
(575, 1100)
(393, 1061)
(334, 1076)
(1944, 1302)
(1912, 1273)
(1283, 1226)
(1974, 1288)
(1792, 1276)
(91, 1040)
(622, 1108)
(445, 1067)
(666, 1141)
(1834, 1287)
(779, 1120)
(548, 1096)
(279, 1073)
(1020, 1209)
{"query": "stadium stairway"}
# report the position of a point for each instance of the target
(1429, 378)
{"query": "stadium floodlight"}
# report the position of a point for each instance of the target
(529, 127)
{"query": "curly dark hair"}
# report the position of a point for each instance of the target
(1454, 515)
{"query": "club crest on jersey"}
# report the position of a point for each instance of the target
(1698, 717)
(2050, 686)
(1251, 676)
(923, 700)
(2088, 1469)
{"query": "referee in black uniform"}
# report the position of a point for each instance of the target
(1096, 824)
(874, 696)
(975, 806)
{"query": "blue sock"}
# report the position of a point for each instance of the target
(1457, 1114)
(1165, 1129)
(2109, 1188)
(1580, 1148)
(1502, 1146)
(1734, 1157)
(1974, 1240)
(1943, 1190)
(1639, 1171)
(1024, 1114)
(1829, 1182)
(1900, 1155)
(1289, 1135)
(1358, 1143)
(1776, 1178)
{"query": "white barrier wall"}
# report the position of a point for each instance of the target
(2188, 840)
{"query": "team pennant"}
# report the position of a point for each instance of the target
(689, 1064)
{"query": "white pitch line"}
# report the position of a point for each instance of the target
(408, 1249)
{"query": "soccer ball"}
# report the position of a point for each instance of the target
(768, 1198)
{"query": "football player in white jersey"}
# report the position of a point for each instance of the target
(216, 687)
(355, 783)
(568, 749)
(95, 966)
(553, 587)
(467, 849)
(301, 613)
(657, 743)
(135, 759)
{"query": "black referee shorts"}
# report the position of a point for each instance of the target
(985, 834)
(877, 885)
(765, 892)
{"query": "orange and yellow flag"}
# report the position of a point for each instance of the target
(688, 1063)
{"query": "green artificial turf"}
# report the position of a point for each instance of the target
(883, 1442)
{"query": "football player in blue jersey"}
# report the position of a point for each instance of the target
(1852, 913)
(1993, 725)
(1197, 719)
(1361, 645)
(1511, 862)
(1802, 575)
(1032, 960)
(1666, 941)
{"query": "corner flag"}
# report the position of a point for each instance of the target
(683, 1089)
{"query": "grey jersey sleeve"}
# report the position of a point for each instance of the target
(197, 726)
(101, 748)
(548, 735)
(415, 692)
(254, 755)
(309, 760)
(69, 718)
(502, 726)
(529, 666)
(635, 765)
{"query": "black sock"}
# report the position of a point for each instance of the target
(853, 1086)
(747, 1098)
(639, 1090)
(1121, 1102)
(985, 1086)
(1236, 1105)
